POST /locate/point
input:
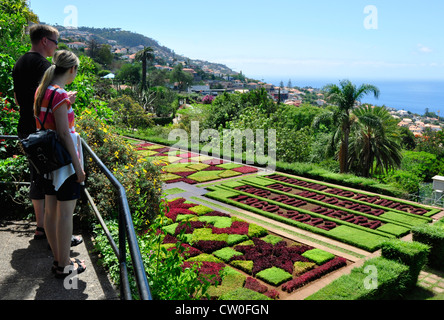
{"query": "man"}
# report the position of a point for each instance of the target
(27, 74)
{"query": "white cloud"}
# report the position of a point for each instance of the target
(424, 49)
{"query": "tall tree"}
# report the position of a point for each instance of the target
(145, 55)
(375, 141)
(345, 97)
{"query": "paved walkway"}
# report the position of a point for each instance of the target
(25, 269)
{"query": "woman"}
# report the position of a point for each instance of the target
(62, 186)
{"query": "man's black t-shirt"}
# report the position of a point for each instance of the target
(27, 74)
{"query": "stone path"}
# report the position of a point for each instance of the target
(25, 268)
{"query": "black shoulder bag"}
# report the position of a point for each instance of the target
(44, 149)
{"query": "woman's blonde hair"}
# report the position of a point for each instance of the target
(62, 61)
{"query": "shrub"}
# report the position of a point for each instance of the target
(432, 236)
(314, 274)
(389, 283)
(140, 178)
(412, 254)
(274, 276)
(244, 294)
(244, 265)
(301, 267)
(318, 256)
(231, 281)
(226, 254)
(129, 114)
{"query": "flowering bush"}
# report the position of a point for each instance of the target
(207, 99)
(140, 178)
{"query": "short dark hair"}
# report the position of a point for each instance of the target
(39, 31)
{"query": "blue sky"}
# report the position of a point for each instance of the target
(286, 39)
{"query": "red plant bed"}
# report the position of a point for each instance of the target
(265, 255)
(255, 285)
(184, 174)
(245, 169)
(213, 168)
(180, 203)
(218, 214)
(237, 227)
(189, 226)
(188, 155)
(209, 246)
(207, 268)
(186, 180)
(314, 274)
(213, 161)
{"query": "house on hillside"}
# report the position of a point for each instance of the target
(76, 45)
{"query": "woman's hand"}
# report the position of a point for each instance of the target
(72, 95)
(81, 176)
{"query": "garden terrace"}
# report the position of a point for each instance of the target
(244, 255)
(341, 215)
(192, 168)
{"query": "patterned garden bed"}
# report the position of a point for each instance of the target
(192, 168)
(359, 219)
(254, 263)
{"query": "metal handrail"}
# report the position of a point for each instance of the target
(126, 233)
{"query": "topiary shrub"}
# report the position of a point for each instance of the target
(412, 254)
(432, 236)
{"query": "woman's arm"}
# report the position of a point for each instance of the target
(62, 125)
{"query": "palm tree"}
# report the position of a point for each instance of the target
(145, 55)
(375, 141)
(345, 97)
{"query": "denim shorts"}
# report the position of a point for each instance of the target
(70, 189)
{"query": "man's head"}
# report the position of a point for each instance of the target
(44, 39)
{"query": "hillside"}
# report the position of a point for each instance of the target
(134, 42)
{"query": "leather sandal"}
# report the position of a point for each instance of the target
(61, 274)
(40, 236)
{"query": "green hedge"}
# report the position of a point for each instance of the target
(412, 254)
(378, 279)
(244, 294)
(354, 235)
(432, 236)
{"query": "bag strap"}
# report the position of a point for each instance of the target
(47, 110)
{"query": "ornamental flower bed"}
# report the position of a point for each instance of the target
(189, 167)
(237, 254)
(311, 206)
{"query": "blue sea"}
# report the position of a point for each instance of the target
(414, 96)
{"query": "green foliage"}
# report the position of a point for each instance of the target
(226, 253)
(274, 276)
(129, 114)
(140, 178)
(432, 236)
(377, 279)
(84, 84)
(412, 254)
(168, 280)
(318, 256)
(244, 294)
(14, 18)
